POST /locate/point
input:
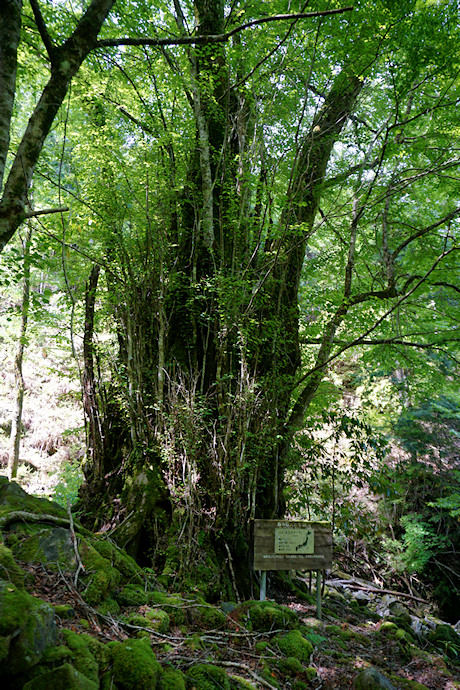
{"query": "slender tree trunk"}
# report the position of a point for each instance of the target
(16, 423)
(95, 438)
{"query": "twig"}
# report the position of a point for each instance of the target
(338, 583)
(232, 573)
(75, 547)
(246, 669)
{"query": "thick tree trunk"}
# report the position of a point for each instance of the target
(228, 341)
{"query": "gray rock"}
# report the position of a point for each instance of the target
(370, 678)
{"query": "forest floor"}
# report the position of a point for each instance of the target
(348, 639)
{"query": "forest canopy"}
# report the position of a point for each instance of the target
(249, 211)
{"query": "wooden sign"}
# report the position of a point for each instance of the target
(292, 545)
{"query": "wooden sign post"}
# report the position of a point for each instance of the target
(292, 545)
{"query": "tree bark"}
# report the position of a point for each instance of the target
(10, 33)
(65, 63)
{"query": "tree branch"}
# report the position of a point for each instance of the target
(42, 30)
(316, 373)
(424, 231)
(214, 38)
(45, 211)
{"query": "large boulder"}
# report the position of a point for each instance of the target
(27, 628)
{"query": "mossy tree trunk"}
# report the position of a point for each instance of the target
(208, 359)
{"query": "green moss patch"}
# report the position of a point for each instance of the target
(405, 684)
(135, 666)
(126, 565)
(172, 680)
(174, 606)
(155, 619)
(265, 616)
(65, 676)
(208, 677)
(132, 595)
(82, 658)
(9, 569)
(27, 626)
(290, 666)
(293, 644)
(103, 577)
(206, 616)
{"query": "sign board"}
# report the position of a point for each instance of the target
(292, 545)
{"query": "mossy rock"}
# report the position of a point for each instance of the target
(9, 569)
(64, 610)
(446, 639)
(135, 666)
(265, 616)
(172, 679)
(206, 617)
(65, 676)
(290, 666)
(51, 546)
(207, 677)
(388, 628)
(82, 658)
(103, 577)
(403, 621)
(27, 628)
(158, 619)
(293, 644)
(132, 595)
(109, 607)
(126, 565)
(56, 656)
(174, 606)
(372, 679)
(14, 499)
(155, 619)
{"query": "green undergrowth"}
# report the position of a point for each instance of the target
(176, 640)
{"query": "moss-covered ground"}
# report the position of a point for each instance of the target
(110, 624)
(178, 641)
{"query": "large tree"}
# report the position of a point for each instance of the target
(230, 164)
